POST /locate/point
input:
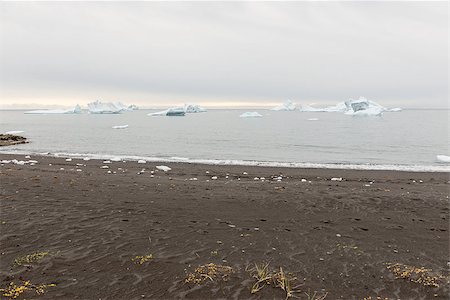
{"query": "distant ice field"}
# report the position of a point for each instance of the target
(407, 140)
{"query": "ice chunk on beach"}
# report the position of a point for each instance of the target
(163, 168)
(250, 114)
(14, 132)
(98, 107)
(193, 108)
(75, 110)
(120, 127)
(287, 105)
(170, 112)
(443, 158)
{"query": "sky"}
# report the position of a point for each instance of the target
(223, 53)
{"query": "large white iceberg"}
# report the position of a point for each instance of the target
(287, 105)
(193, 108)
(75, 110)
(170, 112)
(250, 114)
(360, 107)
(98, 107)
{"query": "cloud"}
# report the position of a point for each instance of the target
(392, 52)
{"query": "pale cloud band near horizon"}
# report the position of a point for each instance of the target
(157, 53)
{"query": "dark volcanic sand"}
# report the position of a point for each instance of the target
(93, 224)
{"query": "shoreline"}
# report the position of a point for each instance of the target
(86, 223)
(442, 168)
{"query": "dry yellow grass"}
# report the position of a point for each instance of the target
(140, 259)
(419, 275)
(30, 258)
(13, 291)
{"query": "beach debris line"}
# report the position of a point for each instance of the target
(210, 272)
(12, 291)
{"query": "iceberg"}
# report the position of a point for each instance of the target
(14, 132)
(75, 110)
(170, 112)
(443, 158)
(340, 107)
(193, 108)
(98, 107)
(287, 105)
(250, 114)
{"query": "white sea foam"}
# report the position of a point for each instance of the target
(234, 162)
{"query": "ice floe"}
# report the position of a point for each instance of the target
(443, 158)
(75, 110)
(120, 126)
(250, 114)
(287, 105)
(14, 132)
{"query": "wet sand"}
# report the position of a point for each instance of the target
(334, 236)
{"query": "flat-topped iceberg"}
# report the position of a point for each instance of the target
(120, 127)
(250, 114)
(287, 105)
(75, 110)
(170, 112)
(193, 108)
(99, 107)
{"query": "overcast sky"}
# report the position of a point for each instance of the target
(165, 53)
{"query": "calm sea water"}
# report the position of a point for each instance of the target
(395, 140)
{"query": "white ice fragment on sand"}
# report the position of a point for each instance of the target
(33, 161)
(106, 161)
(336, 179)
(244, 173)
(163, 168)
(120, 127)
(338, 235)
(287, 105)
(104, 167)
(313, 119)
(256, 178)
(68, 159)
(79, 170)
(116, 159)
(443, 158)
(141, 161)
(214, 178)
(27, 156)
(86, 158)
(14, 132)
(250, 114)
(303, 180)
(193, 179)
(109, 172)
(207, 172)
(62, 169)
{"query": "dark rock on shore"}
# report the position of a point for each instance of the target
(11, 139)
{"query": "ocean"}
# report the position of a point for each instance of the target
(407, 140)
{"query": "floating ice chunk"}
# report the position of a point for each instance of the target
(68, 159)
(120, 126)
(443, 158)
(86, 158)
(313, 119)
(287, 105)
(250, 114)
(395, 109)
(336, 179)
(163, 168)
(75, 110)
(171, 112)
(14, 132)
(141, 161)
(27, 156)
(193, 108)
(98, 107)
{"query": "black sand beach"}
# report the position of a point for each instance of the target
(123, 233)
